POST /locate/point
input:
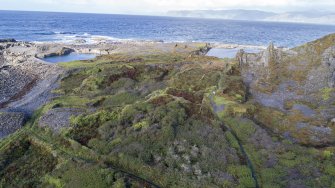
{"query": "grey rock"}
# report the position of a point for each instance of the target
(328, 60)
(265, 74)
(10, 122)
(7, 40)
(58, 118)
(59, 52)
(80, 41)
(307, 111)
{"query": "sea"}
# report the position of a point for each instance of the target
(68, 27)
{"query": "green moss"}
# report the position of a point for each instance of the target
(121, 99)
(92, 83)
(218, 100)
(169, 100)
(326, 93)
(243, 128)
(24, 164)
(141, 125)
(232, 140)
(327, 154)
(52, 181)
(85, 126)
(247, 182)
(239, 171)
(330, 169)
(80, 175)
(119, 184)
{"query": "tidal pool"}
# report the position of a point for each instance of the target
(68, 58)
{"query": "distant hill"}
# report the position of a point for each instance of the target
(256, 15)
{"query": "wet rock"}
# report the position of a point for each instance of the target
(80, 41)
(7, 40)
(59, 52)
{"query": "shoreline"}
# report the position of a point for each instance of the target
(22, 66)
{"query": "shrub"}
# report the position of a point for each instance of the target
(330, 169)
(25, 165)
(232, 140)
(247, 182)
(239, 171)
(121, 99)
(141, 125)
(92, 83)
(327, 154)
(326, 93)
(85, 127)
(119, 183)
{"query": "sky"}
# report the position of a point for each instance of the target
(161, 6)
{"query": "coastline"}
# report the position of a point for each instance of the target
(137, 95)
(22, 64)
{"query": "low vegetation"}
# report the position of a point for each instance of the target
(166, 120)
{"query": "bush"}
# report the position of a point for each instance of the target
(121, 99)
(85, 127)
(119, 183)
(239, 171)
(141, 125)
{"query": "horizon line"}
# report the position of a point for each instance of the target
(170, 16)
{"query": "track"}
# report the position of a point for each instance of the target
(227, 128)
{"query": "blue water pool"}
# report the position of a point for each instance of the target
(68, 58)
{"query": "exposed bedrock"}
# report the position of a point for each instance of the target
(26, 83)
(59, 118)
(10, 122)
(295, 90)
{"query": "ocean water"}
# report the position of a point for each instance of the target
(66, 27)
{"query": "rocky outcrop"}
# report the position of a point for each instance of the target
(20, 72)
(7, 40)
(298, 86)
(59, 52)
(328, 61)
(10, 122)
(58, 118)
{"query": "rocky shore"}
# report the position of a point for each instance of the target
(26, 81)
(285, 80)
(168, 114)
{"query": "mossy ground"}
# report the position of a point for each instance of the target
(151, 115)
